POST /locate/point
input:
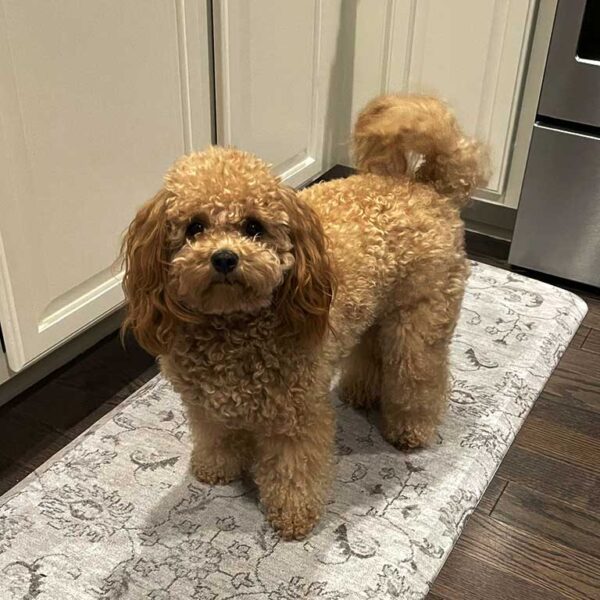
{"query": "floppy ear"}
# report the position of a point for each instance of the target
(306, 294)
(149, 310)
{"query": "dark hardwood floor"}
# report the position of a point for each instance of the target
(536, 532)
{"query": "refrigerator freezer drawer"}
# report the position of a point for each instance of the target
(558, 222)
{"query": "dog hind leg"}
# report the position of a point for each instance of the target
(414, 338)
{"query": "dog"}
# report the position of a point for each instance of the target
(252, 295)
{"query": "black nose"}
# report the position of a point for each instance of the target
(224, 261)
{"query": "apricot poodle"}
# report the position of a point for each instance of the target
(252, 294)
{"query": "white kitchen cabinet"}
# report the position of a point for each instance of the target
(96, 100)
(473, 53)
(275, 64)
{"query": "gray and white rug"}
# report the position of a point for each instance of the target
(116, 514)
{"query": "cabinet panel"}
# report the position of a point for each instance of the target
(470, 52)
(95, 102)
(366, 63)
(274, 62)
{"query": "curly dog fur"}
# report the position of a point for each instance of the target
(365, 272)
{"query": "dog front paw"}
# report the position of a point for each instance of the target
(409, 437)
(294, 524)
(215, 473)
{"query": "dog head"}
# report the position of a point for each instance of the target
(225, 237)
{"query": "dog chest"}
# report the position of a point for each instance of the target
(244, 382)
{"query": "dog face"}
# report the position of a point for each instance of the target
(224, 237)
(229, 243)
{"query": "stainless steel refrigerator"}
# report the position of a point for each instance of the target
(558, 221)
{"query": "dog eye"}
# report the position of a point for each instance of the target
(194, 229)
(253, 228)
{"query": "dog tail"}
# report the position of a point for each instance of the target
(418, 136)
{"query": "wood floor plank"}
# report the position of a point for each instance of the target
(550, 476)
(110, 367)
(550, 518)
(78, 427)
(561, 443)
(592, 319)
(11, 472)
(592, 342)
(556, 411)
(464, 577)
(580, 367)
(29, 443)
(57, 405)
(563, 432)
(576, 379)
(569, 388)
(579, 337)
(493, 492)
(546, 564)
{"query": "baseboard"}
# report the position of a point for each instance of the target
(490, 219)
(480, 244)
(18, 382)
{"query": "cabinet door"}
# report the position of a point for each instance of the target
(473, 52)
(274, 68)
(96, 100)
(470, 52)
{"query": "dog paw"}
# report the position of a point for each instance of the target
(215, 474)
(409, 438)
(294, 524)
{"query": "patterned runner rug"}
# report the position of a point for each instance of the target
(116, 514)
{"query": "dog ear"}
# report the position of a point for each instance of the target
(307, 292)
(149, 310)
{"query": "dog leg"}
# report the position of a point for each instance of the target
(415, 340)
(360, 385)
(293, 474)
(219, 455)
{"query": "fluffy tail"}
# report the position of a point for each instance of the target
(418, 136)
